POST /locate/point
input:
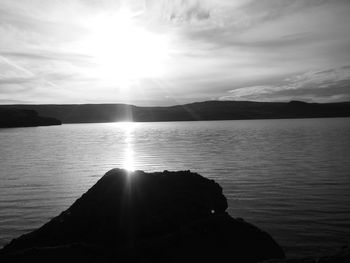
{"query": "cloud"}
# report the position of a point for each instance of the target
(9, 101)
(257, 49)
(180, 11)
(332, 84)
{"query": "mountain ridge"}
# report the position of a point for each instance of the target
(206, 110)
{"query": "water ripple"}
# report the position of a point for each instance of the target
(289, 177)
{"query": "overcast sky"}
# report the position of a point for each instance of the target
(261, 50)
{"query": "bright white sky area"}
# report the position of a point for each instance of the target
(166, 52)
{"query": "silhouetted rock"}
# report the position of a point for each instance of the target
(24, 118)
(146, 217)
(342, 256)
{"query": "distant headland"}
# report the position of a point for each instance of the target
(14, 117)
(198, 111)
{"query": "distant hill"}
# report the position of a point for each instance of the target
(208, 110)
(12, 117)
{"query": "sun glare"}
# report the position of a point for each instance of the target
(123, 51)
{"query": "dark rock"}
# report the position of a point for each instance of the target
(146, 217)
(343, 256)
(10, 118)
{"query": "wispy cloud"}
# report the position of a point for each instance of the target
(326, 85)
(179, 11)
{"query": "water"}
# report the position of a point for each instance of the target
(289, 177)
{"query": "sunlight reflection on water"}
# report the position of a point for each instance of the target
(128, 128)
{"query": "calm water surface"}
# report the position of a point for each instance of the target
(289, 177)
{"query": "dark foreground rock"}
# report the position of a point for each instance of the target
(11, 118)
(343, 256)
(146, 217)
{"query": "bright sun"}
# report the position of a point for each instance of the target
(123, 51)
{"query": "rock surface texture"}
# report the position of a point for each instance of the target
(146, 217)
(342, 256)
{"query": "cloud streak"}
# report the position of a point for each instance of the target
(330, 84)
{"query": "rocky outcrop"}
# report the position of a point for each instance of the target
(146, 217)
(10, 118)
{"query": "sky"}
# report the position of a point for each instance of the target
(167, 52)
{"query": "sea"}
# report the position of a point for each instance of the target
(289, 177)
